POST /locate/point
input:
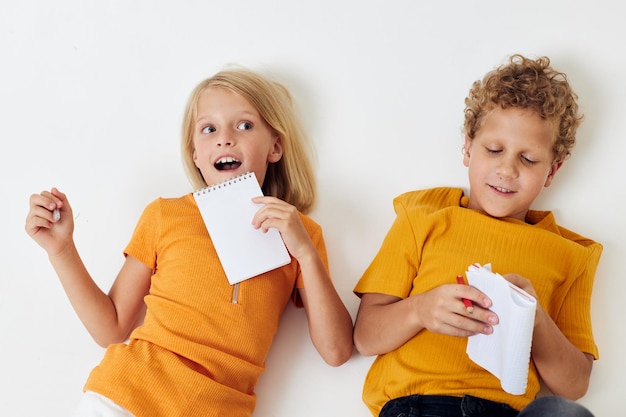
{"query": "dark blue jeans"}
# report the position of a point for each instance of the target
(468, 406)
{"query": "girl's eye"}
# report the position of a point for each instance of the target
(244, 126)
(207, 129)
(493, 151)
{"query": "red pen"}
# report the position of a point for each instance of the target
(469, 306)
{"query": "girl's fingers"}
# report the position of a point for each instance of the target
(45, 200)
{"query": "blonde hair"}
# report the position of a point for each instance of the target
(528, 84)
(291, 178)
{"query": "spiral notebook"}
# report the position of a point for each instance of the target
(506, 352)
(227, 211)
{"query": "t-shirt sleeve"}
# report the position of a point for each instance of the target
(143, 242)
(574, 318)
(395, 266)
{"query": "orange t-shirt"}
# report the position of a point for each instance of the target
(435, 238)
(198, 353)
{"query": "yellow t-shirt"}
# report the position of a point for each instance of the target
(197, 353)
(435, 238)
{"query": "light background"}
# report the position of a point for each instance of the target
(91, 100)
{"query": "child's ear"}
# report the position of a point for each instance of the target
(553, 169)
(276, 152)
(194, 156)
(467, 150)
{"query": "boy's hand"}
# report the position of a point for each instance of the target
(442, 311)
(521, 282)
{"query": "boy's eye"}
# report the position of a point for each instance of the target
(207, 129)
(244, 126)
(527, 160)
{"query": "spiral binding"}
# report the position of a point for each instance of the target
(224, 184)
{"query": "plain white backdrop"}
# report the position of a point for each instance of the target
(91, 100)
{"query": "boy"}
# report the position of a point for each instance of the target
(520, 125)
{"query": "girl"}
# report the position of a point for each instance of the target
(192, 351)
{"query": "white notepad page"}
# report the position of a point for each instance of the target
(506, 352)
(227, 211)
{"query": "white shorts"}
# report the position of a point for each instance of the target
(95, 405)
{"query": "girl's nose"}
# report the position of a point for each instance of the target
(225, 139)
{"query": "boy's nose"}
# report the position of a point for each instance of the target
(507, 169)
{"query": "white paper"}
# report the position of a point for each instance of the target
(506, 352)
(227, 210)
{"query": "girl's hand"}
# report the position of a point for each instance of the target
(280, 215)
(52, 234)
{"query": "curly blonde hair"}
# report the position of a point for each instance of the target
(528, 84)
(291, 178)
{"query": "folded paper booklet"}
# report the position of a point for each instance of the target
(227, 210)
(506, 352)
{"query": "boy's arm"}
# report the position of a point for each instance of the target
(563, 368)
(385, 322)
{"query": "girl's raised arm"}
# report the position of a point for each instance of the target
(109, 318)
